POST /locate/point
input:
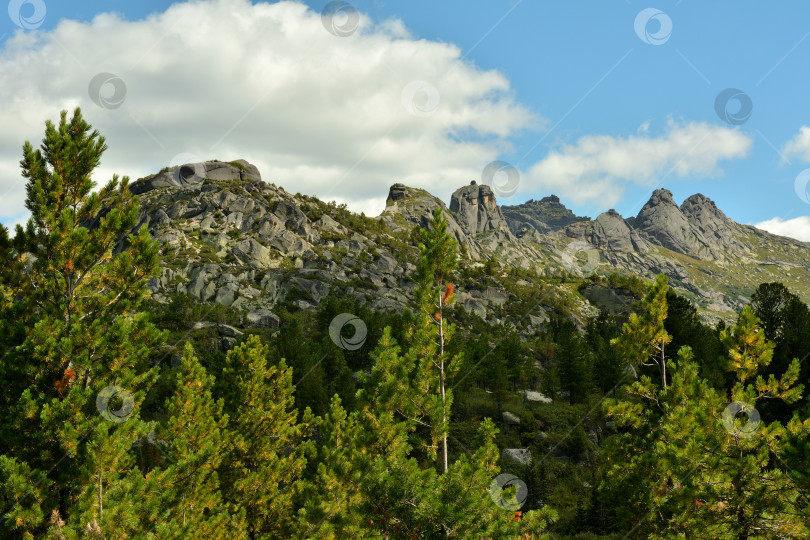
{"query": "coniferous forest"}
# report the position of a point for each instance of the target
(121, 417)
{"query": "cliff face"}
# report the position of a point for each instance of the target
(229, 237)
(476, 209)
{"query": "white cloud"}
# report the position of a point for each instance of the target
(799, 146)
(224, 79)
(798, 228)
(597, 166)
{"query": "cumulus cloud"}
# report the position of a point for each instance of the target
(799, 146)
(596, 168)
(341, 118)
(798, 228)
(337, 117)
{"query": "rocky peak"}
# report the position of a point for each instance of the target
(701, 208)
(663, 223)
(192, 175)
(407, 207)
(476, 210)
(396, 192)
(546, 215)
(712, 223)
(610, 232)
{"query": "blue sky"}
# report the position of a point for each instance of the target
(567, 92)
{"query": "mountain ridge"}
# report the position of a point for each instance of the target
(230, 237)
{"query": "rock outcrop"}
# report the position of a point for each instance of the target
(609, 232)
(476, 210)
(408, 207)
(663, 223)
(192, 175)
(228, 237)
(546, 215)
(721, 233)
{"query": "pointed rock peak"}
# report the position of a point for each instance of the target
(476, 209)
(661, 196)
(698, 204)
(662, 221)
(660, 201)
(699, 198)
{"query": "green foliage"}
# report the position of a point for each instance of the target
(644, 338)
(291, 435)
(694, 467)
(72, 330)
(261, 470)
(574, 362)
(683, 324)
(785, 320)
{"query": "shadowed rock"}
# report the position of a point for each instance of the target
(476, 210)
(546, 215)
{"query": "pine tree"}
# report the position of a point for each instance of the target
(608, 366)
(786, 321)
(644, 337)
(265, 439)
(69, 329)
(695, 468)
(438, 259)
(684, 325)
(197, 442)
(573, 362)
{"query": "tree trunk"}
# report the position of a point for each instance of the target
(441, 379)
(100, 498)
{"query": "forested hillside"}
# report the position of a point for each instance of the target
(288, 369)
